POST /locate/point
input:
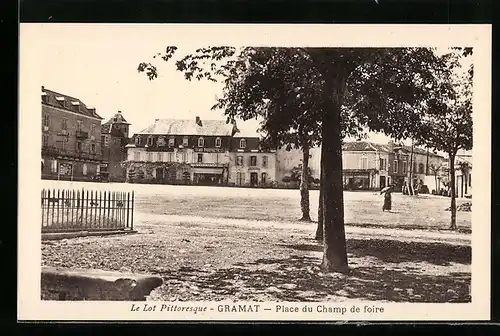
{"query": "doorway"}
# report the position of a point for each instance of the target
(254, 179)
(382, 182)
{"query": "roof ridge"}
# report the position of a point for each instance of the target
(62, 94)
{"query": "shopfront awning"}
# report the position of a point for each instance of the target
(207, 170)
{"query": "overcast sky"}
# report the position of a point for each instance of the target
(98, 65)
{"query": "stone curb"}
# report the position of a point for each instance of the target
(76, 234)
(64, 284)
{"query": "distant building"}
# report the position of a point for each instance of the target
(421, 163)
(249, 165)
(203, 152)
(463, 174)
(367, 165)
(71, 148)
(287, 160)
(114, 138)
(463, 171)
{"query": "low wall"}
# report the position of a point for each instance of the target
(76, 234)
(62, 284)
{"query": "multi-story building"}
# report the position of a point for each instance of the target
(287, 160)
(401, 160)
(205, 152)
(463, 174)
(71, 147)
(365, 165)
(249, 164)
(114, 138)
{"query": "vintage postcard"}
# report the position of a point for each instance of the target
(254, 172)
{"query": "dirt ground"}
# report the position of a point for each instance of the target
(219, 259)
(361, 208)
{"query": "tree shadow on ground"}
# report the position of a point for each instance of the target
(395, 251)
(298, 278)
(410, 227)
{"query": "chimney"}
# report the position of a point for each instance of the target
(43, 88)
(119, 112)
(198, 121)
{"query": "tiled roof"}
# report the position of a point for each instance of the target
(189, 127)
(117, 119)
(364, 146)
(372, 147)
(418, 150)
(68, 103)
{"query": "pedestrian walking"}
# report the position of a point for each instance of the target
(387, 191)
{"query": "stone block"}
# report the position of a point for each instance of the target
(64, 284)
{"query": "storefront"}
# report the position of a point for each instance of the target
(358, 179)
(209, 175)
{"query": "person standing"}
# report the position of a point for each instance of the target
(387, 191)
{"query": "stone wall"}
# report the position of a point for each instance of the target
(95, 285)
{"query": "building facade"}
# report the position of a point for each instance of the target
(114, 138)
(365, 166)
(71, 148)
(420, 161)
(289, 159)
(463, 171)
(201, 152)
(369, 166)
(249, 165)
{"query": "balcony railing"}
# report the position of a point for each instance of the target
(81, 135)
(77, 154)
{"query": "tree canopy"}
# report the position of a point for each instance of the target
(325, 93)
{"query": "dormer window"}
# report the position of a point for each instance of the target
(138, 140)
(218, 142)
(243, 143)
(150, 141)
(201, 142)
(171, 142)
(161, 141)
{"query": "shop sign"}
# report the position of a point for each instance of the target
(209, 150)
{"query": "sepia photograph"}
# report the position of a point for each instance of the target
(248, 178)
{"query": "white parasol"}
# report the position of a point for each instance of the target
(385, 189)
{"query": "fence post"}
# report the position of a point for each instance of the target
(128, 207)
(56, 216)
(132, 214)
(100, 200)
(43, 196)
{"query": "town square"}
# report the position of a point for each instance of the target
(325, 180)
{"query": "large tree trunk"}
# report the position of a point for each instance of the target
(304, 185)
(453, 208)
(319, 229)
(335, 254)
